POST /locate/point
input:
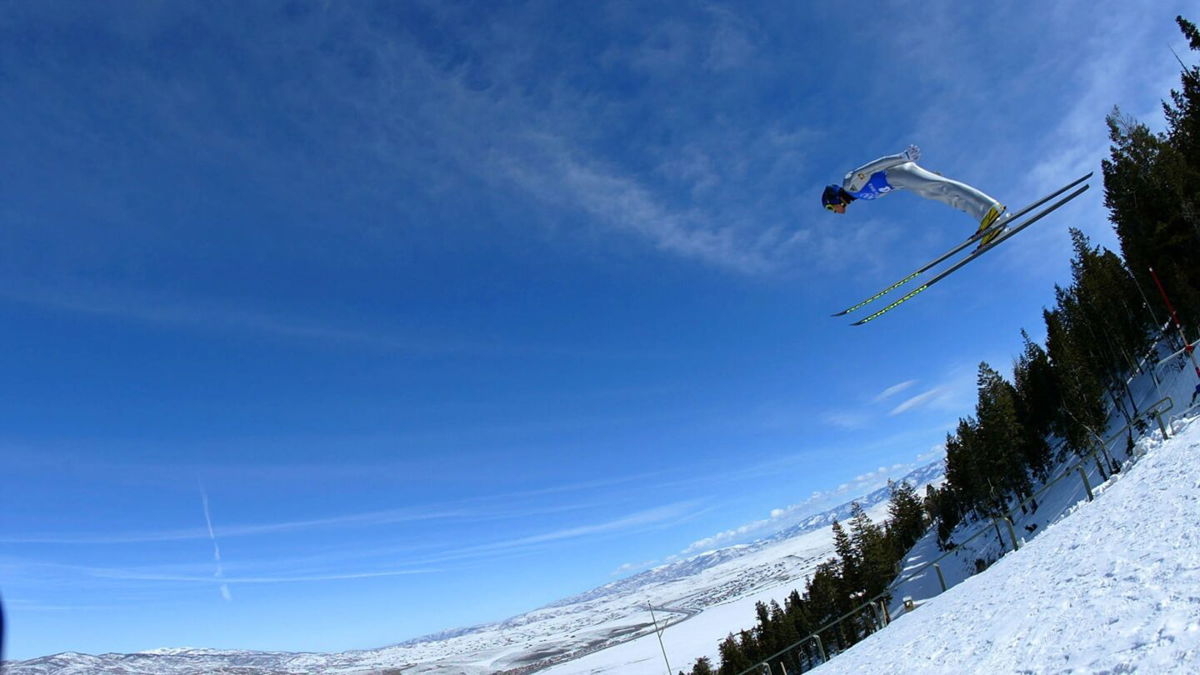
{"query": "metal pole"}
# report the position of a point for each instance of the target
(659, 634)
(937, 567)
(821, 649)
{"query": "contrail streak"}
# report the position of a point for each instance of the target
(220, 573)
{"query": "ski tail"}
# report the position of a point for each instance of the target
(1043, 200)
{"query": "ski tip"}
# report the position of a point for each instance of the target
(844, 312)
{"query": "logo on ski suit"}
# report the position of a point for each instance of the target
(876, 187)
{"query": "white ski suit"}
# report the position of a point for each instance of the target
(900, 172)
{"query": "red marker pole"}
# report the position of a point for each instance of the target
(1187, 346)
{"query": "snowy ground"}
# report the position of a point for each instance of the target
(919, 581)
(1113, 588)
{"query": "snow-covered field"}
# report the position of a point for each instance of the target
(712, 594)
(714, 598)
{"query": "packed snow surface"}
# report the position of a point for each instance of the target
(1113, 588)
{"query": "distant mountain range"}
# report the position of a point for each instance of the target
(929, 474)
(556, 633)
(925, 475)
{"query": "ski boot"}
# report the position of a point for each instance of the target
(992, 217)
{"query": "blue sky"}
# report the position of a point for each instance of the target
(329, 325)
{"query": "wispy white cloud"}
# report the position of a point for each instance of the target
(931, 454)
(783, 517)
(370, 519)
(954, 393)
(332, 567)
(555, 172)
(893, 390)
(540, 137)
(626, 568)
(133, 575)
(848, 420)
(356, 520)
(732, 42)
(674, 513)
(918, 401)
(136, 305)
(520, 505)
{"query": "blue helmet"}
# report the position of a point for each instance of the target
(833, 195)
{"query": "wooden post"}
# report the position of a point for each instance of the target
(1086, 485)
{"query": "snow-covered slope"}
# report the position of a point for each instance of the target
(1114, 588)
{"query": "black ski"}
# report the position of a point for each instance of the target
(970, 240)
(1012, 230)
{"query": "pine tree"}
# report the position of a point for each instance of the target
(1183, 137)
(966, 474)
(733, 659)
(943, 508)
(824, 599)
(1101, 306)
(1183, 114)
(767, 638)
(873, 551)
(1152, 191)
(1001, 438)
(1082, 410)
(750, 646)
(907, 517)
(848, 559)
(1038, 398)
(785, 635)
(798, 614)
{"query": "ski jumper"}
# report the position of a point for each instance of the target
(896, 172)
